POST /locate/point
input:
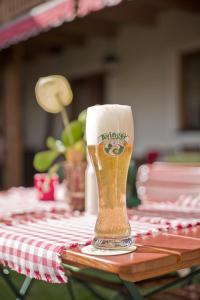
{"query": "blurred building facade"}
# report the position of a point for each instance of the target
(145, 75)
(126, 60)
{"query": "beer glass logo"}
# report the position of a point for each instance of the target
(113, 142)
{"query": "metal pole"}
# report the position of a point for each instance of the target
(171, 284)
(5, 275)
(133, 291)
(70, 289)
(25, 286)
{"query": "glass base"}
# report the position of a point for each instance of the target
(113, 244)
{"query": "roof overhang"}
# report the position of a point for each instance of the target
(46, 16)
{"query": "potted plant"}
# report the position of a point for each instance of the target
(53, 93)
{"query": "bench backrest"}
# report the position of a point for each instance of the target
(161, 182)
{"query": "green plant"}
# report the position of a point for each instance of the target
(72, 138)
(53, 93)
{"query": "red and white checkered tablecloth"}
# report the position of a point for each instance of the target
(34, 248)
(24, 200)
(189, 204)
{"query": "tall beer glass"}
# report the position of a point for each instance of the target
(109, 134)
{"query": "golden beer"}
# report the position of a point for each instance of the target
(109, 142)
(111, 173)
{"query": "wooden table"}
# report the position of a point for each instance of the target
(155, 256)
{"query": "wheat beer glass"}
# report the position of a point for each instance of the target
(109, 134)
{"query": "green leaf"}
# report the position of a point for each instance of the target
(43, 160)
(50, 142)
(56, 145)
(72, 133)
(82, 117)
(60, 147)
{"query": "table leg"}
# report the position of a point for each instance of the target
(25, 286)
(70, 289)
(190, 279)
(133, 291)
(91, 290)
(172, 284)
(19, 294)
(5, 274)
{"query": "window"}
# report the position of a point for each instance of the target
(190, 91)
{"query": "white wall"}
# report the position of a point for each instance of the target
(146, 78)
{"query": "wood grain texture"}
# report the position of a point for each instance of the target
(148, 261)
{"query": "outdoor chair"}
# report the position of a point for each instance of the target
(170, 189)
(160, 182)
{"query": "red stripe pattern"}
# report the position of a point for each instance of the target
(24, 200)
(35, 248)
(169, 187)
(184, 204)
(45, 16)
(87, 6)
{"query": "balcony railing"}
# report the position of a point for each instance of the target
(10, 9)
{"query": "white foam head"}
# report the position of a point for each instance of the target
(108, 118)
